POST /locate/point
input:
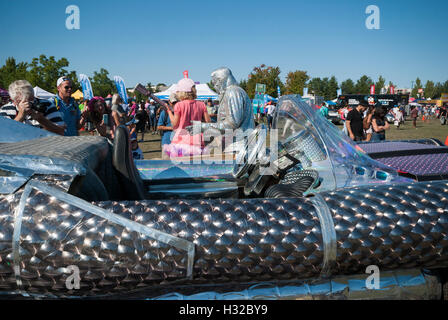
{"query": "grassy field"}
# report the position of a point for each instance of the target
(432, 129)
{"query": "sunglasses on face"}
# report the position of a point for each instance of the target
(67, 87)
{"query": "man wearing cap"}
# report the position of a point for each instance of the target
(354, 121)
(68, 107)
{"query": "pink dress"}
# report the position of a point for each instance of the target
(184, 144)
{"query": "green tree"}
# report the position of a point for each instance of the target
(149, 87)
(44, 72)
(430, 89)
(296, 81)
(417, 85)
(270, 76)
(12, 71)
(379, 84)
(348, 87)
(242, 84)
(331, 90)
(317, 86)
(363, 85)
(102, 85)
(160, 87)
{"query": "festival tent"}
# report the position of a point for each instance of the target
(78, 95)
(269, 98)
(203, 92)
(42, 94)
(330, 103)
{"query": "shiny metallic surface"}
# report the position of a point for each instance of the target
(235, 107)
(238, 241)
(399, 285)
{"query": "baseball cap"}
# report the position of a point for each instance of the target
(173, 97)
(62, 79)
(185, 85)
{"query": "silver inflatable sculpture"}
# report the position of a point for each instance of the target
(235, 108)
(235, 119)
(69, 229)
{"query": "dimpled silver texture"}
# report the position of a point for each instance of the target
(402, 226)
(241, 241)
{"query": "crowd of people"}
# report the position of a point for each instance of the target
(63, 115)
(368, 122)
(173, 120)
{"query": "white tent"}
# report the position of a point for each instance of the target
(42, 94)
(203, 91)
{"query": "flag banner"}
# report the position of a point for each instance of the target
(392, 90)
(339, 92)
(278, 92)
(87, 91)
(121, 88)
(372, 89)
(186, 74)
(305, 91)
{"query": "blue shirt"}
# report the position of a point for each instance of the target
(70, 114)
(165, 121)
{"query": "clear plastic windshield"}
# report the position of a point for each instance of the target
(339, 161)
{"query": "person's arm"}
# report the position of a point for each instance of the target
(206, 116)
(348, 125)
(386, 125)
(47, 124)
(368, 121)
(174, 118)
(101, 128)
(376, 128)
(116, 118)
(349, 129)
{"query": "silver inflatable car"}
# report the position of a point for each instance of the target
(303, 214)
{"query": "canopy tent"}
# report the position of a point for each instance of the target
(415, 104)
(78, 95)
(203, 92)
(330, 103)
(42, 94)
(269, 98)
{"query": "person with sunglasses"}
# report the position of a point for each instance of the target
(68, 107)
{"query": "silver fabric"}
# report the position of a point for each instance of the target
(56, 153)
(398, 285)
(238, 241)
(235, 107)
(14, 131)
(12, 178)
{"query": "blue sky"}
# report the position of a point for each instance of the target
(154, 41)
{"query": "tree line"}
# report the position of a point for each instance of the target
(44, 72)
(327, 87)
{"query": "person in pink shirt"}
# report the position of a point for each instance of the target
(185, 111)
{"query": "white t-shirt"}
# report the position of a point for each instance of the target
(271, 109)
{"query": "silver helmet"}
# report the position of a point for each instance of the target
(221, 79)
